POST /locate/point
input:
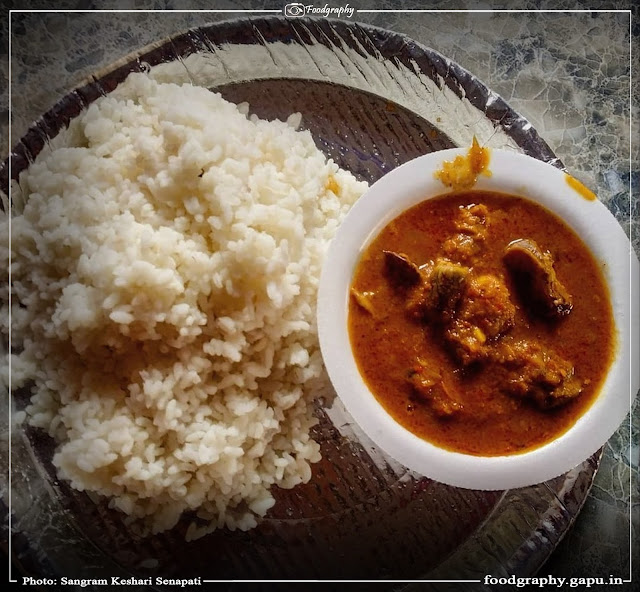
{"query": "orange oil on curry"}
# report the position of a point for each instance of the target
(463, 171)
(386, 342)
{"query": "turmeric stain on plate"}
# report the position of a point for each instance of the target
(463, 171)
(579, 188)
(332, 185)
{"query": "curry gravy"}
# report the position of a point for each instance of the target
(488, 419)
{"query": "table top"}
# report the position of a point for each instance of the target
(568, 73)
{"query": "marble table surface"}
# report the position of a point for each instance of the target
(568, 73)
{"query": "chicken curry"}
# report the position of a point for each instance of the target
(481, 323)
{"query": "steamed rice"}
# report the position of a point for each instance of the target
(164, 276)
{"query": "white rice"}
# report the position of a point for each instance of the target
(165, 268)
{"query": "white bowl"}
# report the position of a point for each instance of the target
(515, 174)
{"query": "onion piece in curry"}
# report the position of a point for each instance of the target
(488, 328)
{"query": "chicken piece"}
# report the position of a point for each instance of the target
(446, 285)
(429, 386)
(537, 374)
(400, 270)
(405, 276)
(484, 314)
(467, 342)
(536, 279)
(471, 225)
(437, 295)
(416, 301)
(487, 304)
(432, 291)
(473, 220)
(364, 300)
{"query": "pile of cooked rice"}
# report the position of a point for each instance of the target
(164, 270)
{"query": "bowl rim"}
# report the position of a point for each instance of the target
(414, 182)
